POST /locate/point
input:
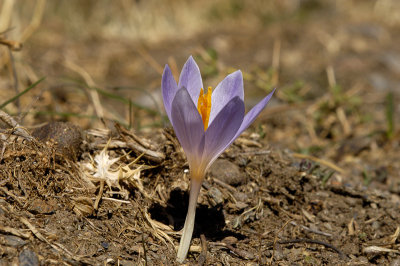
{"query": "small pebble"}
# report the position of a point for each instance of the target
(376, 225)
(28, 258)
(227, 172)
(231, 240)
(39, 206)
(240, 196)
(216, 195)
(105, 245)
(12, 241)
(241, 205)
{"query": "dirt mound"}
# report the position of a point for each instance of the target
(57, 211)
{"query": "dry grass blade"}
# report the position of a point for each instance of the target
(14, 46)
(377, 250)
(17, 129)
(320, 161)
(129, 142)
(56, 246)
(6, 13)
(157, 231)
(140, 146)
(15, 232)
(150, 60)
(36, 20)
(21, 93)
(395, 236)
(94, 96)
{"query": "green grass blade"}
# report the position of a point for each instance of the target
(125, 101)
(21, 93)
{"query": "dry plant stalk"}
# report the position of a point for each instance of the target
(93, 94)
(13, 45)
(17, 129)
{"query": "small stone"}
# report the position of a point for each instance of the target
(363, 260)
(66, 136)
(216, 196)
(227, 172)
(105, 245)
(230, 240)
(240, 196)
(12, 241)
(39, 206)
(241, 205)
(376, 225)
(28, 258)
(328, 226)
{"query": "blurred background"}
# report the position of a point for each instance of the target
(336, 64)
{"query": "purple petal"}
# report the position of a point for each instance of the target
(248, 119)
(188, 125)
(252, 114)
(224, 127)
(169, 89)
(191, 79)
(226, 90)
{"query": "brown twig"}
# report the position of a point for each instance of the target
(224, 185)
(8, 193)
(56, 246)
(276, 240)
(12, 45)
(203, 255)
(154, 156)
(144, 250)
(99, 196)
(239, 252)
(15, 232)
(311, 230)
(311, 241)
(141, 141)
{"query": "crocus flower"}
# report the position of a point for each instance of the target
(206, 122)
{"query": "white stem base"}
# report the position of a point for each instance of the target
(184, 244)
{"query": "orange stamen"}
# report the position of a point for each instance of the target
(204, 106)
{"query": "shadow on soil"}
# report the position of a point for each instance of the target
(209, 221)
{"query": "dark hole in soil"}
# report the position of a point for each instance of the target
(210, 221)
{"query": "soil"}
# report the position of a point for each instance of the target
(315, 180)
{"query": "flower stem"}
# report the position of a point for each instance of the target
(195, 185)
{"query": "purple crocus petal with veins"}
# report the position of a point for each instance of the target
(252, 114)
(249, 118)
(169, 89)
(224, 127)
(190, 78)
(188, 125)
(227, 89)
